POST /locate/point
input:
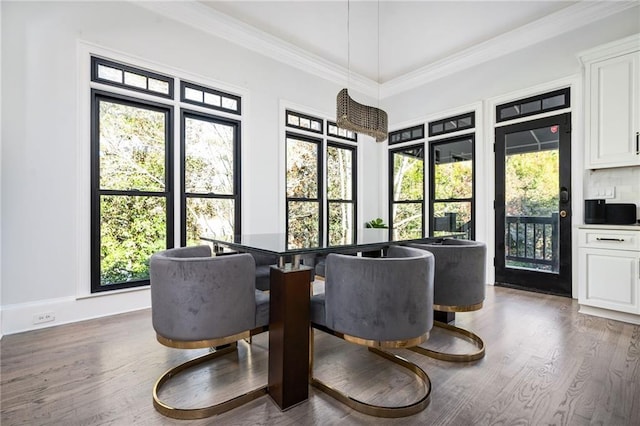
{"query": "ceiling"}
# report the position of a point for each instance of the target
(387, 47)
(407, 36)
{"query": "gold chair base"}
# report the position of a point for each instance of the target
(200, 413)
(378, 410)
(468, 357)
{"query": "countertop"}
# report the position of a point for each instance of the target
(635, 227)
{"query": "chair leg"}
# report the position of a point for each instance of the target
(378, 410)
(200, 413)
(468, 335)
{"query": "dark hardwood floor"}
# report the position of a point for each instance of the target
(545, 364)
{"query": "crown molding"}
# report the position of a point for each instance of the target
(223, 26)
(210, 21)
(615, 48)
(560, 22)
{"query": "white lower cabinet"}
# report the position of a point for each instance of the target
(609, 271)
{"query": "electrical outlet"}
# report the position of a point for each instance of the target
(44, 317)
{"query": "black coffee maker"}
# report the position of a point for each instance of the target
(595, 211)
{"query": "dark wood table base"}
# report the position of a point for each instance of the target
(289, 336)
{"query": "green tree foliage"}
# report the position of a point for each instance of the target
(453, 180)
(531, 183)
(302, 182)
(209, 169)
(531, 189)
(340, 187)
(408, 185)
(132, 157)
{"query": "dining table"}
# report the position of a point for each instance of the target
(289, 292)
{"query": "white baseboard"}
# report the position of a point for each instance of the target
(606, 313)
(20, 317)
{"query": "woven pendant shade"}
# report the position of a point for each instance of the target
(359, 118)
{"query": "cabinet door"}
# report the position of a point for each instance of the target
(610, 279)
(613, 119)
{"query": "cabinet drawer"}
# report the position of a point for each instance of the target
(614, 240)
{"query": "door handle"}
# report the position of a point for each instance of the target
(563, 213)
(637, 143)
(564, 195)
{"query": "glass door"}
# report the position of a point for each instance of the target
(532, 206)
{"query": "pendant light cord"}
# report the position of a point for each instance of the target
(348, 45)
(378, 77)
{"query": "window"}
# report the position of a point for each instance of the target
(406, 135)
(211, 176)
(406, 182)
(341, 172)
(121, 75)
(304, 122)
(335, 131)
(452, 124)
(132, 188)
(452, 188)
(304, 180)
(320, 183)
(133, 168)
(533, 105)
(209, 98)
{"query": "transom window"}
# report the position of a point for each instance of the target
(452, 124)
(209, 98)
(551, 101)
(133, 167)
(115, 74)
(406, 135)
(337, 132)
(304, 122)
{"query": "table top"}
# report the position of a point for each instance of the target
(276, 244)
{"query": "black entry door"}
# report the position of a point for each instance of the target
(533, 205)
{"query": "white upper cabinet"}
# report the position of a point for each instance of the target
(612, 109)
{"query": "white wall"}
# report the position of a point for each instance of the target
(1, 333)
(536, 69)
(43, 205)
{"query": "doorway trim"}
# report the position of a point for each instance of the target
(559, 281)
(575, 82)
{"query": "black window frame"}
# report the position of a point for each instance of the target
(457, 119)
(336, 135)
(400, 136)
(320, 179)
(184, 195)
(432, 181)
(537, 98)
(188, 85)
(354, 188)
(96, 192)
(173, 191)
(96, 61)
(300, 115)
(392, 201)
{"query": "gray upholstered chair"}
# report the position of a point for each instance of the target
(199, 301)
(379, 303)
(459, 286)
(263, 269)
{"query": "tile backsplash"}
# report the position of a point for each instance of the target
(625, 182)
